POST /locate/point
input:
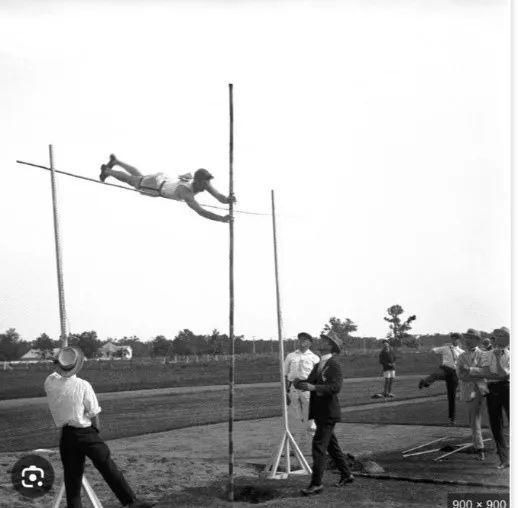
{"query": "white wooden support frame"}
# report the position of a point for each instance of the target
(287, 440)
(96, 503)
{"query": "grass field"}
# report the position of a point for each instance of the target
(31, 426)
(112, 376)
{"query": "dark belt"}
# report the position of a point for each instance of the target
(502, 382)
(78, 429)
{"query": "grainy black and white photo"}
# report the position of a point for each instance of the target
(255, 252)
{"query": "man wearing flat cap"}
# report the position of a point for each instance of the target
(75, 410)
(298, 365)
(324, 384)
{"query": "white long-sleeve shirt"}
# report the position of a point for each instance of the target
(72, 400)
(449, 353)
(298, 365)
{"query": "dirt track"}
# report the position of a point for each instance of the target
(161, 466)
(13, 403)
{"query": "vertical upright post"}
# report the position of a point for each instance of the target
(231, 303)
(287, 439)
(61, 290)
(279, 319)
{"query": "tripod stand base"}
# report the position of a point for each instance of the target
(271, 471)
(96, 503)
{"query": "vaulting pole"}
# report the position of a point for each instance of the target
(231, 302)
(279, 320)
(57, 238)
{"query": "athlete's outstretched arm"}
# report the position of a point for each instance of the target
(192, 203)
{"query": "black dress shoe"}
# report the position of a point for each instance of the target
(504, 464)
(344, 480)
(312, 489)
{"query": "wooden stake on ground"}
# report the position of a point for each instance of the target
(460, 448)
(425, 444)
(422, 453)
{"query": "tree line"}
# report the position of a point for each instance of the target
(186, 342)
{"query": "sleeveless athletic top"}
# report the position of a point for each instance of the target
(169, 188)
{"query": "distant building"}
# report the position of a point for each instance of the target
(36, 355)
(113, 351)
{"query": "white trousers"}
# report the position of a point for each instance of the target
(475, 420)
(301, 428)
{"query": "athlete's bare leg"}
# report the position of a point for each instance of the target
(132, 177)
(130, 169)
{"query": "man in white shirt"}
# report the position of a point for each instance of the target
(497, 372)
(74, 408)
(298, 365)
(450, 353)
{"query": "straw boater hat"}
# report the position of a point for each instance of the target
(69, 361)
(333, 337)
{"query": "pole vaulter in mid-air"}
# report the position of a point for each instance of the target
(160, 185)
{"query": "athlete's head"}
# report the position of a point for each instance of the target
(201, 179)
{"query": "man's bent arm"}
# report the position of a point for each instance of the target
(220, 197)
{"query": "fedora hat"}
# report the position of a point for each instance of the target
(69, 361)
(333, 337)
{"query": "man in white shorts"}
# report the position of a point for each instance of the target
(160, 185)
(298, 365)
(387, 359)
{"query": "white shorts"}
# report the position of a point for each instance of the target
(389, 374)
(151, 184)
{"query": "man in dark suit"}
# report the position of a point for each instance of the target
(324, 383)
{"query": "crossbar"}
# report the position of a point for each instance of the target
(120, 186)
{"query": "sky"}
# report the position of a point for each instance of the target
(383, 128)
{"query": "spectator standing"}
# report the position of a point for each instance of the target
(472, 392)
(387, 359)
(447, 371)
(497, 372)
(298, 365)
(75, 409)
(324, 383)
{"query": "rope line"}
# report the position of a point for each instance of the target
(123, 186)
